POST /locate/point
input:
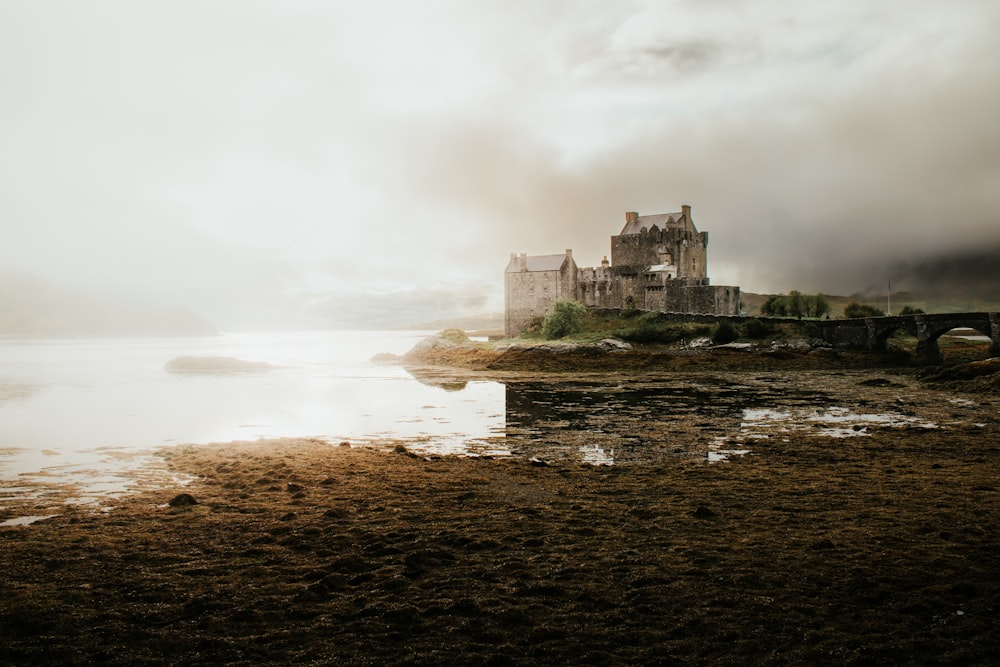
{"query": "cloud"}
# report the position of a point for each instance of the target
(255, 161)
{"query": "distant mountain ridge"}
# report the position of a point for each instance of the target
(482, 322)
(927, 302)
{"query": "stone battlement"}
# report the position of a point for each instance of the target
(658, 262)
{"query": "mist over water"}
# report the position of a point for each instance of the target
(68, 405)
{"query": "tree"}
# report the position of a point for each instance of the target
(820, 305)
(774, 306)
(565, 318)
(856, 309)
(796, 304)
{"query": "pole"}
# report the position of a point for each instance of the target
(888, 300)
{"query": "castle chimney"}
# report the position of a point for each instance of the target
(523, 257)
(569, 253)
(631, 216)
(686, 210)
(604, 262)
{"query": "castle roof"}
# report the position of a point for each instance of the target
(537, 263)
(661, 220)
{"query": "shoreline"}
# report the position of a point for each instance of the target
(856, 541)
(878, 551)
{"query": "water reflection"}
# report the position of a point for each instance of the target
(647, 419)
(85, 414)
(630, 421)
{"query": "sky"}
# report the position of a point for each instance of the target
(321, 163)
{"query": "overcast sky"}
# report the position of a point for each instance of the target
(327, 163)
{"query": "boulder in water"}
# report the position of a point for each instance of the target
(215, 365)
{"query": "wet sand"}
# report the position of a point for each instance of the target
(876, 549)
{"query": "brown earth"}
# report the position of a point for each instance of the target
(865, 550)
(569, 357)
(878, 549)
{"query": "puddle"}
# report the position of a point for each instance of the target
(26, 520)
(596, 456)
(579, 419)
(718, 452)
(82, 485)
(833, 421)
(712, 417)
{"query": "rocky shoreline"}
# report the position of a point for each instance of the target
(612, 355)
(879, 550)
(798, 545)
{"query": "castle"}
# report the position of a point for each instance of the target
(658, 262)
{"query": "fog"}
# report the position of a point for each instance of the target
(252, 165)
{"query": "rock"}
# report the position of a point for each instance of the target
(182, 500)
(401, 449)
(387, 358)
(704, 513)
(745, 347)
(969, 371)
(215, 365)
(614, 345)
(876, 382)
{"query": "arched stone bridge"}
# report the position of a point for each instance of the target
(872, 332)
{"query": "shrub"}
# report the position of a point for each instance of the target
(775, 306)
(795, 304)
(856, 309)
(565, 319)
(910, 310)
(756, 329)
(820, 305)
(724, 333)
(534, 328)
(454, 335)
(651, 327)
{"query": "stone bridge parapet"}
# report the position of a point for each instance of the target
(873, 332)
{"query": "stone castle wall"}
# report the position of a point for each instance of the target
(533, 293)
(685, 249)
(654, 269)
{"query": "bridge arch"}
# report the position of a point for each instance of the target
(931, 349)
(873, 332)
(880, 333)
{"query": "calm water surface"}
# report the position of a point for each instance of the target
(88, 413)
(87, 406)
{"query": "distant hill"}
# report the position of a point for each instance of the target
(927, 302)
(483, 322)
(33, 308)
(957, 281)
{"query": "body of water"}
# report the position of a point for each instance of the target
(90, 408)
(87, 414)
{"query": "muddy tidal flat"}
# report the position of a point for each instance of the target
(807, 529)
